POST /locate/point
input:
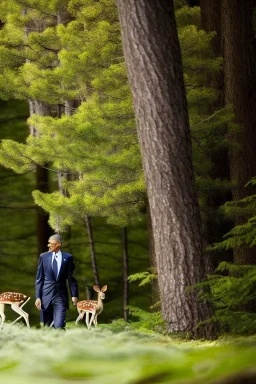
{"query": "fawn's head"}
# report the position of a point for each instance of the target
(100, 291)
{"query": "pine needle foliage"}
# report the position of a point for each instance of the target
(144, 320)
(244, 234)
(146, 277)
(233, 287)
(98, 144)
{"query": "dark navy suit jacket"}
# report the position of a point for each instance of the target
(48, 287)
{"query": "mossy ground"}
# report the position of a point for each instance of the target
(105, 355)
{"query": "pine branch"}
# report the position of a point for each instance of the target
(209, 117)
(26, 5)
(44, 47)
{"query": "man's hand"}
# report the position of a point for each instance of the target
(38, 304)
(74, 300)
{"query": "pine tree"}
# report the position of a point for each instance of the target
(163, 129)
(239, 87)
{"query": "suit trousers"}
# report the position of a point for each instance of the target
(56, 313)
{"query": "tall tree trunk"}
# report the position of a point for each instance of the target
(153, 58)
(42, 177)
(126, 273)
(42, 182)
(215, 228)
(240, 91)
(210, 21)
(64, 17)
(92, 249)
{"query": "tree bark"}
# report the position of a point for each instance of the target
(153, 59)
(210, 21)
(42, 177)
(239, 87)
(92, 249)
(69, 107)
(42, 182)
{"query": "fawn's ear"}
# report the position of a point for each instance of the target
(104, 288)
(96, 288)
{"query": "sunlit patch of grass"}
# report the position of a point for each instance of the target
(50, 356)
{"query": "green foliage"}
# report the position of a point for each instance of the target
(101, 355)
(150, 321)
(145, 277)
(83, 60)
(233, 290)
(244, 234)
(147, 320)
(12, 155)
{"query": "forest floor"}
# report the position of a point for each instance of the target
(112, 356)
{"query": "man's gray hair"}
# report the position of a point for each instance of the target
(56, 237)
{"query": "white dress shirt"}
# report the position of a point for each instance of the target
(59, 259)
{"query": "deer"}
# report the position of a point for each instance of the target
(91, 306)
(16, 301)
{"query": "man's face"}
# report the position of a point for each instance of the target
(54, 245)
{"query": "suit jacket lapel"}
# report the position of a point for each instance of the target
(50, 264)
(63, 262)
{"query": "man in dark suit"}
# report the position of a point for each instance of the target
(54, 269)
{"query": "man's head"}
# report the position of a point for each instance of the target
(54, 243)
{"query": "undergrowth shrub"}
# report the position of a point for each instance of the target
(233, 290)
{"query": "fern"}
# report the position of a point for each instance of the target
(244, 234)
(144, 277)
(233, 287)
(150, 321)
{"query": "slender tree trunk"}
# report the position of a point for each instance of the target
(210, 21)
(92, 249)
(153, 58)
(43, 228)
(42, 182)
(240, 91)
(126, 272)
(69, 107)
(42, 176)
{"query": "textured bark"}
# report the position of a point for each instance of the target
(42, 182)
(69, 107)
(42, 177)
(240, 85)
(210, 21)
(153, 59)
(126, 273)
(92, 250)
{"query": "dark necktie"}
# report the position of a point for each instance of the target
(55, 266)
